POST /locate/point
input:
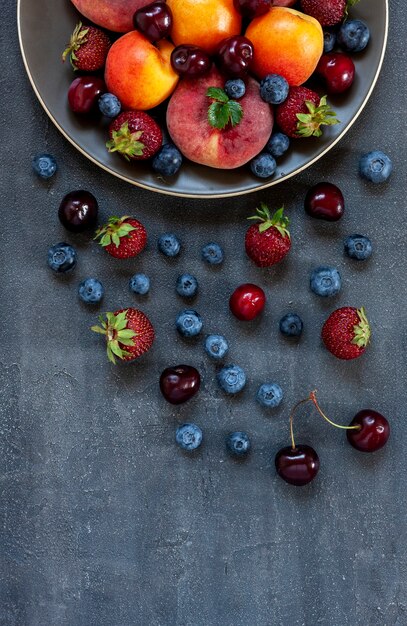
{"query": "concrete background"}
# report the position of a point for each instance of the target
(104, 522)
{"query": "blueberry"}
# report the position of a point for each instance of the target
(375, 166)
(263, 165)
(353, 35)
(358, 247)
(167, 161)
(109, 105)
(325, 281)
(188, 436)
(269, 395)
(235, 88)
(216, 346)
(187, 285)
(278, 144)
(61, 258)
(44, 165)
(212, 253)
(91, 291)
(140, 284)
(189, 323)
(329, 40)
(291, 325)
(169, 244)
(274, 89)
(231, 379)
(238, 443)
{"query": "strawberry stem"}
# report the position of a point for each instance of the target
(309, 124)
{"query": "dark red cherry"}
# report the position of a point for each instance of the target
(337, 70)
(325, 201)
(297, 466)
(247, 302)
(154, 20)
(84, 93)
(190, 61)
(373, 433)
(180, 383)
(78, 211)
(235, 55)
(252, 8)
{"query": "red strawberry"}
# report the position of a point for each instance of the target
(303, 113)
(267, 243)
(129, 334)
(122, 237)
(346, 332)
(88, 48)
(327, 12)
(134, 135)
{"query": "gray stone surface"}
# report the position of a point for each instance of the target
(104, 522)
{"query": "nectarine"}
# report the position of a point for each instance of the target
(116, 15)
(286, 42)
(188, 125)
(139, 73)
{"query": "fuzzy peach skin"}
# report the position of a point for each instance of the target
(187, 123)
(116, 15)
(203, 23)
(139, 73)
(286, 42)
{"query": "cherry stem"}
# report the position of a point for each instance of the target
(292, 419)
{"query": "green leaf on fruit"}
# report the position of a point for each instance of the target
(216, 93)
(309, 124)
(223, 112)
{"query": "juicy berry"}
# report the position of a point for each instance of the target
(327, 12)
(91, 291)
(291, 325)
(188, 436)
(325, 201)
(216, 346)
(154, 20)
(373, 432)
(78, 210)
(312, 110)
(189, 323)
(84, 94)
(263, 165)
(358, 247)
(140, 284)
(44, 165)
(167, 161)
(128, 334)
(325, 281)
(109, 105)
(375, 166)
(269, 395)
(278, 144)
(122, 238)
(238, 443)
(169, 245)
(61, 258)
(180, 383)
(87, 48)
(329, 41)
(235, 88)
(134, 135)
(337, 71)
(190, 61)
(187, 285)
(268, 242)
(212, 253)
(247, 302)
(297, 466)
(353, 36)
(231, 379)
(274, 89)
(235, 56)
(346, 333)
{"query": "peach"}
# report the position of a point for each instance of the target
(286, 42)
(187, 123)
(116, 15)
(140, 73)
(204, 23)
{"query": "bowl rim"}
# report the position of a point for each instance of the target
(178, 194)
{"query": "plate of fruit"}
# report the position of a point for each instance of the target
(203, 98)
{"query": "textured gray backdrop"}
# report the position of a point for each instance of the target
(104, 521)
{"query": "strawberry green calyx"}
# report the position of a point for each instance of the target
(223, 111)
(278, 220)
(309, 124)
(113, 231)
(125, 142)
(362, 330)
(78, 38)
(114, 327)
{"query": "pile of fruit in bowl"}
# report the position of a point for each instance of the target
(230, 74)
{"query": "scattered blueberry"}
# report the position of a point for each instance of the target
(358, 247)
(274, 89)
(169, 244)
(188, 436)
(187, 285)
(140, 284)
(329, 40)
(353, 35)
(167, 161)
(291, 325)
(238, 443)
(61, 257)
(375, 166)
(278, 144)
(231, 379)
(91, 291)
(109, 105)
(189, 323)
(216, 346)
(212, 253)
(263, 165)
(235, 88)
(325, 281)
(269, 395)
(44, 165)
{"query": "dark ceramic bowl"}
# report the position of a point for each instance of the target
(44, 28)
